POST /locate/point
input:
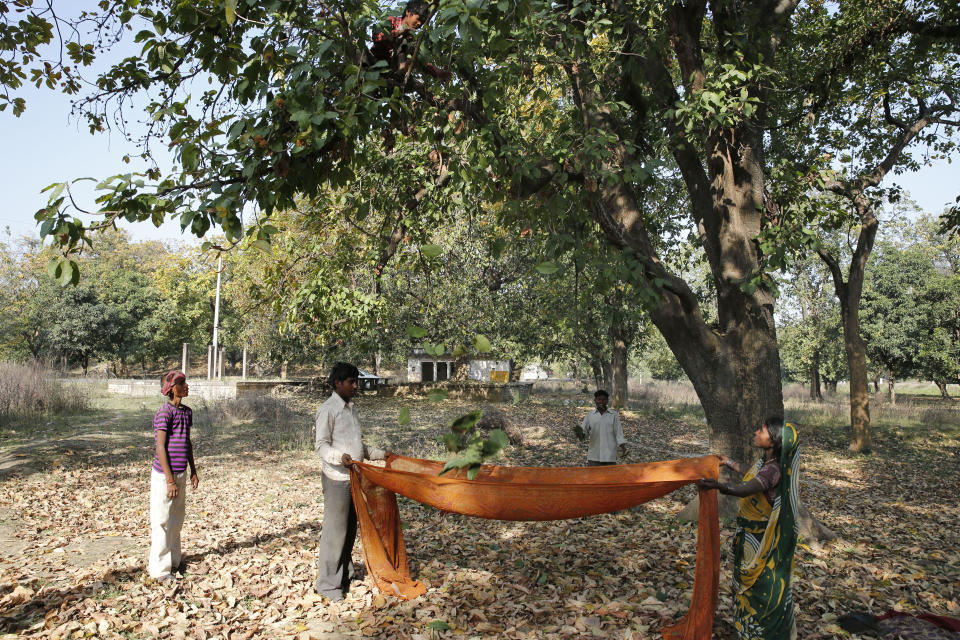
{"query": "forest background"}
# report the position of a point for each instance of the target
(139, 301)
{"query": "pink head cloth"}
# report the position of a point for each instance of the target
(170, 380)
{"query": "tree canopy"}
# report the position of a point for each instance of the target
(662, 126)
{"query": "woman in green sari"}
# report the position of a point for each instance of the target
(766, 535)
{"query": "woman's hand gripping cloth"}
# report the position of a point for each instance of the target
(532, 493)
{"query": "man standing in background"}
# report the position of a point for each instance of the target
(603, 431)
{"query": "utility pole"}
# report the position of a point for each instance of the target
(216, 318)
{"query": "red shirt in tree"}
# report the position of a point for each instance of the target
(385, 43)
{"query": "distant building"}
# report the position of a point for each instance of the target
(534, 372)
(422, 367)
(368, 381)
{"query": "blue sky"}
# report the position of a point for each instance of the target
(45, 145)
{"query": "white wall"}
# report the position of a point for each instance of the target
(534, 372)
(480, 369)
(415, 369)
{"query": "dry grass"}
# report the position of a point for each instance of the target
(278, 425)
(915, 408)
(30, 391)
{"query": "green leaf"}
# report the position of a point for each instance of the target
(69, 272)
(404, 418)
(473, 471)
(262, 245)
(439, 625)
(416, 332)
(499, 438)
(480, 343)
(57, 189)
(547, 268)
(489, 449)
(455, 463)
(438, 394)
(459, 351)
(431, 250)
(451, 441)
(231, 11)
(466, 422)
(363, 211)
(190, 156)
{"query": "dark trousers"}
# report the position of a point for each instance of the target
(334, 566)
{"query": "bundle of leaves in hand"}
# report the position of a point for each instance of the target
(472, 449)
(579, 432)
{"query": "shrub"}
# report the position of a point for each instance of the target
(278, 426)
(30, 390)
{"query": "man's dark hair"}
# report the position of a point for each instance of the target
(343, 371)
(601, 392)
(775, 429)
(419, 7)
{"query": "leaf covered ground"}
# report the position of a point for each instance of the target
(74, 533)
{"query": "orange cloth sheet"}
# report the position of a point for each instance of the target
(532, 493)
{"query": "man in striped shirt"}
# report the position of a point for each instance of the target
(168, 482)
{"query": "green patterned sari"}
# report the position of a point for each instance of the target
(763, 552)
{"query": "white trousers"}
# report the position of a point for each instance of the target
(166, 520)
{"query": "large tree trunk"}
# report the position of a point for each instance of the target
(461, 369)
(738, 384)
(34, 343)
(942, 386)
(733, 362)
(856, 350)
(620, 340)
(606, 374)
(848, 294)
(815, 393)
(891, 390)
(597, 370)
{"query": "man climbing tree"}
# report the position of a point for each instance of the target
(394, 43)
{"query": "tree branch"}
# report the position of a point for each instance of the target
(933, 30)
(834, 267)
